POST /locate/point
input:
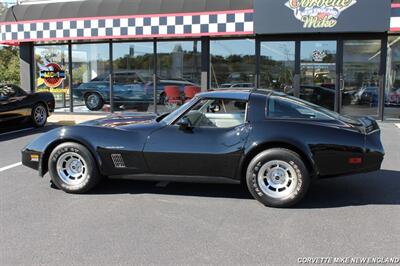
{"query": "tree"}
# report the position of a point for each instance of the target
(9, 65)
(9, 60)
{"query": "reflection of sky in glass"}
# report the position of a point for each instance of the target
(362, 51)
(278, 51)
(232, 47)
(55, 50)
(82, 53)
(308, 47)
(123, 49)
(168, 47)
(120, 50)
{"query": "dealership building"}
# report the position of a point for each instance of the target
(129, 55)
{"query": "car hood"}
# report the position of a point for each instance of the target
(125, 121)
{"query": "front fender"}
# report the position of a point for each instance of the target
(35, 155)
(100, 141)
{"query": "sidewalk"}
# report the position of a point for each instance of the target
(72, 119)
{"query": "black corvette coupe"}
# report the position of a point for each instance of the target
(17, 106)
(273, 142)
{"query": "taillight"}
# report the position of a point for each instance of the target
(355, 160)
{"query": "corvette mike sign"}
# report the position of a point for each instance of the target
(319, 13)
(53, 75)
(325, 16)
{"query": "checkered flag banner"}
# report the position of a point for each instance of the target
(395, 18)
(238, 22)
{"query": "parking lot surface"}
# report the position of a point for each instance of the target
(132, 222)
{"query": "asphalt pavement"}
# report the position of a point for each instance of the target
(131, 222)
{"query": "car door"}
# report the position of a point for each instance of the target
(211, 146)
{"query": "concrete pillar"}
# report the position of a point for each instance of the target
(205, 63)
(27, 75)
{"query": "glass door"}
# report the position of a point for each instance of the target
(133, 65)
(51, 73)
(277, 65)
(318, 72)
(360, 82)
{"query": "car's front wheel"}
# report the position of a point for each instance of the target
(72, 168)
(39, 115)
(94, 102)
(277, 178)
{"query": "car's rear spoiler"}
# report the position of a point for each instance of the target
(369, 124)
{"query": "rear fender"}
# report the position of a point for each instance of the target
(254, 148)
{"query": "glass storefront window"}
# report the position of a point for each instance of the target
(318, 72)
(90, 77)
(51, 73)
(392, 90)
(133, 75)
(178, 73)
(232, 64)
(361, 62)
(277, 65)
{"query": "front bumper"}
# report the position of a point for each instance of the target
(32, 159)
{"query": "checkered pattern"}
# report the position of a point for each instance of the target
(395, 18)
(230, 22)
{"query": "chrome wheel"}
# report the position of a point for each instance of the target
(72, 168)
(93, 101)
(277, 179)
(40, 115)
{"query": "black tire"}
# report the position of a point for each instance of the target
(89, 179)
(39, 115)
(279, 169)
(142, 107)
(94, 101)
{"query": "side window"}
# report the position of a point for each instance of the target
(219, 113)
(285, 107)
(121, 79)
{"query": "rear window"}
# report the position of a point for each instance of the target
(293, 108)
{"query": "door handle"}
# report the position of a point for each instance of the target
(342, 84)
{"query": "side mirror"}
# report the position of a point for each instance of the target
(185, 124)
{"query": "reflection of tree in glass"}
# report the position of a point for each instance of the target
(232, 69)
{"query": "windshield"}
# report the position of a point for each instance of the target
(171, 117)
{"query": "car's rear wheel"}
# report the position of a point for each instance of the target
(94, 102)
(72, 168)
(277, 178)
(39, 115)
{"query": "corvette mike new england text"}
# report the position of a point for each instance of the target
(349, 260)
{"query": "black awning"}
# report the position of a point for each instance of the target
(99, 8)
